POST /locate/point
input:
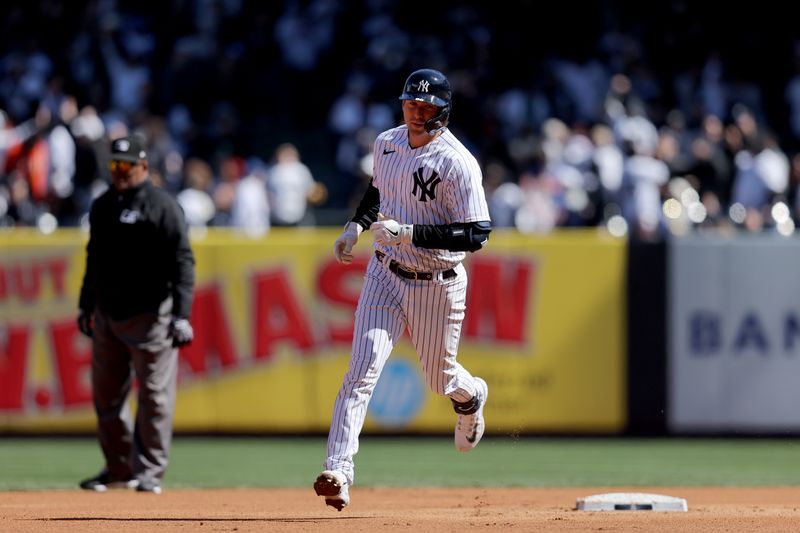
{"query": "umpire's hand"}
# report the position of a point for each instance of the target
(85, 323)
(181, 331)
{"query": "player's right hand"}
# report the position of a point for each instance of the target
(389, 232)
(343, 247)
(85, 323)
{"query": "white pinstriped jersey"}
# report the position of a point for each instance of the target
(439, 183)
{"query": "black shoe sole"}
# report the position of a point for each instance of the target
(327, 486)
(336, 504)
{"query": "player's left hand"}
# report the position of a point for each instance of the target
(390, 232)
(181, 331)
(343, 247)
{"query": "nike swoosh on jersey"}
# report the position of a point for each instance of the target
(385, 151)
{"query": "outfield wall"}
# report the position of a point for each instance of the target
(273, 320)
(734, 335)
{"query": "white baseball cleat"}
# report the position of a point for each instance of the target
(332, 484)
(469, 427)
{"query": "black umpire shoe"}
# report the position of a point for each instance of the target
(103, 481)
(149, 486)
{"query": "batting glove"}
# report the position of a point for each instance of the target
(181, 331)
(343, 247)
(85, 323)
(390, 232)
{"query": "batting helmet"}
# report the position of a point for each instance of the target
(430, 86)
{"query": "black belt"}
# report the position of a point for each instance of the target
(403, 272)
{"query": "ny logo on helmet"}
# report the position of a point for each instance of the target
(423, 86)
(427, 188)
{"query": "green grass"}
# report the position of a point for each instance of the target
(40, 463)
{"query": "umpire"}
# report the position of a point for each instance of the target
(134, 304)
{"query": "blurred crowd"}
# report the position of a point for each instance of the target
(648, 121)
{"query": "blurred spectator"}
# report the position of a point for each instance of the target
(232, 169)
(609, 163)
(22, 210)
(128, 72)
(198, 207)
(90, 160)
(643, 177)
(250, 211)
(291, 188)
(538, 211)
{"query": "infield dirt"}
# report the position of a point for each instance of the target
(418, 510)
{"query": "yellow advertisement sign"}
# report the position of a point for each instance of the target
(273, 318)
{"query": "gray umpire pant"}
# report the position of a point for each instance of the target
(139, 346)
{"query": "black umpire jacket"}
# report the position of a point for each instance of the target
(138, 254)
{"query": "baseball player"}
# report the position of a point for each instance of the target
(426, 208)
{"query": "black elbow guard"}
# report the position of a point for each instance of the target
(454, 237)
(469, 237)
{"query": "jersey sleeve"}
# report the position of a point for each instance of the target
(465, 195)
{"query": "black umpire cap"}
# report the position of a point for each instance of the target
(130, 148)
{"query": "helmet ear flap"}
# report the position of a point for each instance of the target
(437, 123)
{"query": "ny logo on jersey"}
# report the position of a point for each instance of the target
(423, 85)
(427, 188)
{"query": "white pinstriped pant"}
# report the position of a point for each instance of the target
(433, 312)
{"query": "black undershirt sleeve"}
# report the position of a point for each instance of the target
(367, 210)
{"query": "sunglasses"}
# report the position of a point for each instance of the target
(122, 166)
